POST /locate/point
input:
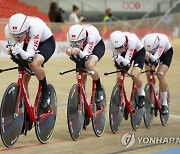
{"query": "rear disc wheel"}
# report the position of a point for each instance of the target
(137, 113)
(44, 126)
(99, 119)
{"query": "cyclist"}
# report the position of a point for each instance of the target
(158, 47)
(85, 40)
(38, 47)
(127, 47)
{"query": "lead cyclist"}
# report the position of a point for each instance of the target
(38, 46)
(158, 47)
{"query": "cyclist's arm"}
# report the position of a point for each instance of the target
(130, 51)
(33, 45)
(125, 61)
(10, 40)
(91, 42)
(157, 54)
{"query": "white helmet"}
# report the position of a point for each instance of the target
(151, 42)
(117, 39)
(76, 33)
(18, 23)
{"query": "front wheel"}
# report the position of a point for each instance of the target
(75, 112)
(99, 118)
(116, 109)
(149, 106)
(11, 115)
(44, 126)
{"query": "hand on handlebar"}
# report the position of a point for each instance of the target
(79, 60)
(73, 51)
(150, 63)
(16, 49)
(122, 67)
(147, 56)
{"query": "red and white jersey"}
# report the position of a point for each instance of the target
(93, 38)
(38, 32)
(163, 47)
(133, 45)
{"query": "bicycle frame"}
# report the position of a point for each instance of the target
(123, 91)
(32, 110)
(88, 104)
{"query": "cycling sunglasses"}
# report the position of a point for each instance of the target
(77, 43)
(120, 48)
(19, 35)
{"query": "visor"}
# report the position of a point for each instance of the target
(121, 47)
(20, 34)
(77, 43)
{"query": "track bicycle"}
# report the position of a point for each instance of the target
(17, 115)
(80, 110)
(121, 107)
(152, 99)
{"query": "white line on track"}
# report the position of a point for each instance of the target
(174, 116)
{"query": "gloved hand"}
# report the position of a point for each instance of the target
(16, 49)
(119, 59)
(75, 51)
(68, 52)
(8, 50)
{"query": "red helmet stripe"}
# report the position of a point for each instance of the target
(23, 23)
(155, 40)
(80, 33)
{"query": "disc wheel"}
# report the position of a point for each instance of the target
(116, 109)
(164, 118)
(99, 119)
(75, 112)
(12, 117)
(149, 109)
(137, 113)
(44, 126)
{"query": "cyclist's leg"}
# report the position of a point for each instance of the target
(97, 54)
(163, 88)
(162, 83)
(118, 77)
(46, 50)
(136, 71)
(165, 61)
(146, 67)
(90, 65)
